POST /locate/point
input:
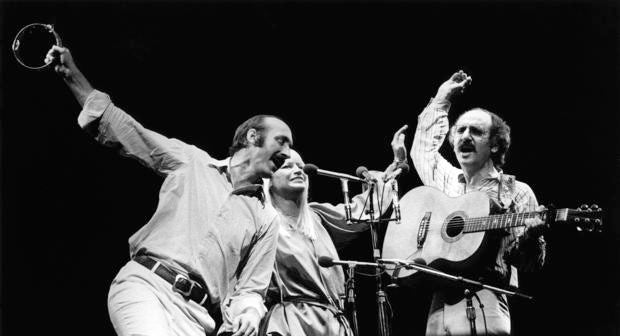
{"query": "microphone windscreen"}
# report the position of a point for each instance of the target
(404, 167)
(310, 169)
(326, 261)
(419, 261)
(360, 171)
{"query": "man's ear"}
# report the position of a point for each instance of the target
(251, 136)
(494, 149)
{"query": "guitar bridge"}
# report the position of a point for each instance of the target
(423, 229)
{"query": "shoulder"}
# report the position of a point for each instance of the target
(524, 195)
(522, 188)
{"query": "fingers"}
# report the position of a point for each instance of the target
(235, 326)
(400, 134)
(462, 81)
(401, 130)
(54, 52)
(243, 327)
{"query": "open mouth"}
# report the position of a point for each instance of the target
(467, 148)
(278, 159)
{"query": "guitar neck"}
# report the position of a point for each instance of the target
(496, 222)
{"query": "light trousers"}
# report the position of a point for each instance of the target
(142, 303)
(448, 316)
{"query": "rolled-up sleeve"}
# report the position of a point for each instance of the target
(112, 127)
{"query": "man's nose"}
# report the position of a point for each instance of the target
(286, 150)
(466, 133)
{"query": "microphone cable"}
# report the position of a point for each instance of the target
(484, 316)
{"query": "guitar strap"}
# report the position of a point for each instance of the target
(505, 198)
(505, 192)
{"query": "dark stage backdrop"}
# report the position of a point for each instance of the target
(346, 76)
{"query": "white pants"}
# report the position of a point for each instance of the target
(447, 315)
(142, 303)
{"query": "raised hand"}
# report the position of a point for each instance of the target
(398, 145)
(66, 68)
(456, 84)
(64, 64)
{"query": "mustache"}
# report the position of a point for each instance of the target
(466, 144)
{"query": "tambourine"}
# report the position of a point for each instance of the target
(32, 43)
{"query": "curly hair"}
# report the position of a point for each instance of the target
(499, 137)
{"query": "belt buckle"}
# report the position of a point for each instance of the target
(182, 285)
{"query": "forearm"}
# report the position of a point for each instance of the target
(112, 127)
(79, 86)
(255, 278)
(431, 131)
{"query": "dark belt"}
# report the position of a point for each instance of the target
(188, 288)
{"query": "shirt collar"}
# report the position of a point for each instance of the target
(252, 190)
(493, 175)
(222, 164)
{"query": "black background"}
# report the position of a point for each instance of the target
(345, 76)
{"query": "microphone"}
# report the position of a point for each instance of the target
(311, 169)
(402, 168)
(416, 261)
(362, 172)
(325, 261)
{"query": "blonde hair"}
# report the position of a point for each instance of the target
(305, 222)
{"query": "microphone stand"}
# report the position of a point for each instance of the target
(465, 282)
(383, 325)
(351, 299)
(469, 285)
(347, 204)
(470, 312)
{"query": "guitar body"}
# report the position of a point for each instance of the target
(431, 228)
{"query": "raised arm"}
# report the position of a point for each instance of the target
(66, 68)
(431, 131)
(333, 216)
(111, 126)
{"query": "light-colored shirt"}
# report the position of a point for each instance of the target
(201, 225)
(434, 170)
(298, 273)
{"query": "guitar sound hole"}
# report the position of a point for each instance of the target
(455, 226)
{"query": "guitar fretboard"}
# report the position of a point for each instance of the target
(495, 222)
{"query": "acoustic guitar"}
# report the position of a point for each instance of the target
(449, 233)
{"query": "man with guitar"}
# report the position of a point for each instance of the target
(480, 140)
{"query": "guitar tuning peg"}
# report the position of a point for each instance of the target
(578, 228)
(597, 221)
(577, 220)
(595, 207)
(584, 207)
